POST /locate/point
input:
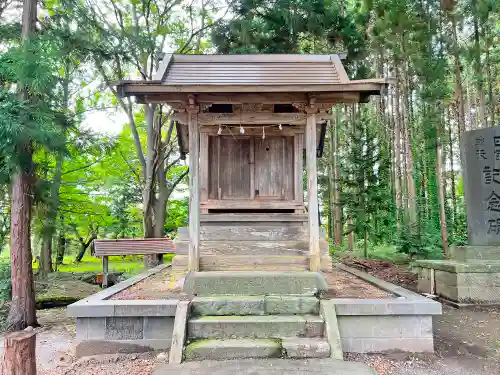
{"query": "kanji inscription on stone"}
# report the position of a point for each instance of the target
(480, 154)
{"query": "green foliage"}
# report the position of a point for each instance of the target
(177, 215)
(425, 245)
(289, 26)
(5, 284)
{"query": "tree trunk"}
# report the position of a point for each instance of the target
(412, 192)
(397, 162)
(61, 248)
(22, 310)
(46, 254)
(83, 248)
(331, 180)
(338, 203)
(150, 221)
(452, 172)
(19, 353)
(440, 188)
(350, 234)
(483, 115)
(459, 91)
(489, 77)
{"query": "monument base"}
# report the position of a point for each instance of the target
(470, 278)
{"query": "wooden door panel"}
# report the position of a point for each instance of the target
(234, 167)
(269, 168)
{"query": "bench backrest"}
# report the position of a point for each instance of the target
(138, 246)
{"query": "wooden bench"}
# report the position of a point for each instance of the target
(122, 247)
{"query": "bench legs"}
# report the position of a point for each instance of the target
(105, 271)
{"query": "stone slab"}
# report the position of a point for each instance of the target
(480, 151)
(266, 367)
(124, 328)
(252, 283)
(385, 326)
(232, 349)
(473, 266)
(382, 344)
(470, 252)
(255, 305)
(291, 305)
(97, 347)
(296, 347)
(369, 307)
(475, 294)
(158, 328)
(223, 305)
(179, 332)
(332, 329)
(268, 326)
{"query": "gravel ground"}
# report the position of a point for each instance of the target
(342, 284)
(427, 364)
(162, 285)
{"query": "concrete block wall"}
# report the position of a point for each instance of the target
(148, 331)
(468, 287)
(462, 284)
(368, 334)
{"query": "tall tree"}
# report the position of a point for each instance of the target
(22, 311)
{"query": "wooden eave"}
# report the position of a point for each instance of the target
(367, 87)
(290, 74)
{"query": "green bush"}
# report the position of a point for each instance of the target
(426, 244)
(5, 285)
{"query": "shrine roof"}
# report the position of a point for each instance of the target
(252, 74)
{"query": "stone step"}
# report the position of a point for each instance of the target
(254, 283)
(252, 263)
(200, 350)
(254, 305)
(299, 347)
(275, 366)
(267, 326)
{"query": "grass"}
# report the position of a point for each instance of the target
(379, 252)
(130, 264)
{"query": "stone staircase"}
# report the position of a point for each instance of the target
(256, 315)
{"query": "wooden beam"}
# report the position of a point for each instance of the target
(105, 271)
(234, 130)
(298, 167)
(204, 166)
(252, 204)
(255, 118)
(194, 190)
(375, 87)
(312, 191)
(249, 98)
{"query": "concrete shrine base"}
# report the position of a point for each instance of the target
(471, 277)
(402, 322)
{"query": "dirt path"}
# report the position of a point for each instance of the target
(54, 339)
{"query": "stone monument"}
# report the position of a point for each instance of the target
(472, 275)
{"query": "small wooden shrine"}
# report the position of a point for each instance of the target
(245, 121)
